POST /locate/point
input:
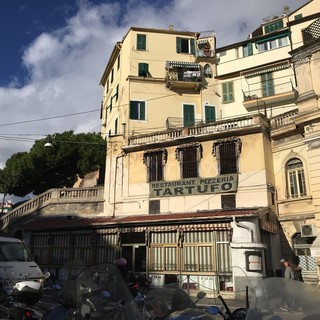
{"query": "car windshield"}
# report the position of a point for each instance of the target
(14, 251)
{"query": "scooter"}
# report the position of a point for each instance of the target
(19, 304)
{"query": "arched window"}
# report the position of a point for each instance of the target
(296, 185)
(207, 71)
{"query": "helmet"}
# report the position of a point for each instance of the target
(120, 262)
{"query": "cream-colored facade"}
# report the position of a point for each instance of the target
(296, 156)
(265, 77)
(195, 129)
(181, 173)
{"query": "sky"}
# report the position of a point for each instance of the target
(53, 54)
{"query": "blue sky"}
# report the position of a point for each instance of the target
(53, 53)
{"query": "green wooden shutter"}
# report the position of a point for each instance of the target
(141, 41)
(267, 84)
(188, 115)
(178, 42)
(133, 110)
(192, 47)
(143, 69)
(210, 113)
(250, 49)
(142, 106)
(227, 89)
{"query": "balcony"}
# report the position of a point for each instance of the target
(184, 76)
(200, 131)
(205, 53)
(256, 99)
(284, 125)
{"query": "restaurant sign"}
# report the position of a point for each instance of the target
(195, 186)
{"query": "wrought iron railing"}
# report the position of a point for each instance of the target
(272, 91)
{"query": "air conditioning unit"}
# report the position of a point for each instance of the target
(308, 230)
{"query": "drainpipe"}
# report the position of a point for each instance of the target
(241, 225)
(115, 183)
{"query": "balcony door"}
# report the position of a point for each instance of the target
(188, 115)
(267, 84)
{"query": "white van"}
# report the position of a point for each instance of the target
(16, 263)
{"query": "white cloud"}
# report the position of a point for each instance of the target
(65, 65)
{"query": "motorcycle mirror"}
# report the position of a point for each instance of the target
(47, 275)
(201, 295)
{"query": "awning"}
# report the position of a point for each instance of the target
(281, 35)
(257, 72)
(202, 41)
(182, 64)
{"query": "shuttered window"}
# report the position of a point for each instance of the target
(210, 114)
(228, 158)
(227, 89)
(155, 162)
(137, 110)
(143, 69)
(141, 42)
(185, 45)
(188, 115)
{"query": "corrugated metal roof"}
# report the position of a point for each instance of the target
(138, 220)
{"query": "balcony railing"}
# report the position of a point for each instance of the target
(275, 90)
(184, 75)
(217, 127)
(276, 95)
(283, 119)
(56, 196)
(205, 53)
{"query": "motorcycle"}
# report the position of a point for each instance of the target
(97, 292)
(170, 302)
(19, 303)
(283, 299)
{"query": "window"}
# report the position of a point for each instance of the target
(295, 178)
(163, 251)
(112, 75)
(207, 71)
(137, 110)
(247, 50)
(227, 153)
(154, 206)
(185, 45)
(271, 27)
(227, 89)
(189, 158)
(272, 43)
(188, 115)
(118, 62)
(267, 84)
(117, 93)
(143, 69)
(141, 42)
(116, 126)
(298, 16)
(228, 201)
(210, 113)
(155, 162)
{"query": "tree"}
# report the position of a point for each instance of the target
(42, 168)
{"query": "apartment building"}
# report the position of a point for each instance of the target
(212, 159)
(180, 178)
(296, 157)
(266, 74)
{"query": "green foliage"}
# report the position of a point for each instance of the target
(42, 168)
